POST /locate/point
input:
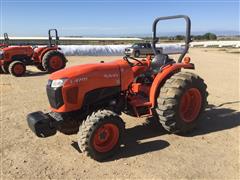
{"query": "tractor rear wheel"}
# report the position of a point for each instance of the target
(17, 68)
(53, 61)
(100, 135)
(181, 101)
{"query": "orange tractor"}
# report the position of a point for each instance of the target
(14, 59)
(90, 98)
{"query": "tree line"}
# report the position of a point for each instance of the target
(206, 36)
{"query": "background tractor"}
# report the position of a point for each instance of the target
(14, 59)
(90, 98)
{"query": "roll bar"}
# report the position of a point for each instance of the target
(50, 37)
(187, 37)
(6, 39)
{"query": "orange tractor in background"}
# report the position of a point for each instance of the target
(14, 59)
(90, 98)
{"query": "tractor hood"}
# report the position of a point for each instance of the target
(87, 71)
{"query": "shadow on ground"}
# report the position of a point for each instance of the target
(29, 73)
(133, 145)
(215, 118)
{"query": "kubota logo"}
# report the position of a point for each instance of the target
(78, 80)
(110, 75)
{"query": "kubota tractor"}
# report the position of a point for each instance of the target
(89, 98)
(14, 59)
(5, 41)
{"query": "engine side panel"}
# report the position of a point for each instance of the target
(12, 51)
(128, 73)
(86, 79)
(97, 95)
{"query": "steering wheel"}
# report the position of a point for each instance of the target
(138, 64)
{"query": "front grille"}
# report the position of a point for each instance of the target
(55, 96)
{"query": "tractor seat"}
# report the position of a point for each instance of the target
(158, 61)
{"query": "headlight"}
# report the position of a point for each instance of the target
(58, 83)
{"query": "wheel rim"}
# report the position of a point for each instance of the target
(106, 137)
(56, 62)
(18, 69)
(190, 105)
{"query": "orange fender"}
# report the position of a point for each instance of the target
(40, 51)
(46, 50)
(162, 75)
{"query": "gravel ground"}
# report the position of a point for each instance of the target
(210, 152)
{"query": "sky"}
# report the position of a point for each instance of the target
(116, 18)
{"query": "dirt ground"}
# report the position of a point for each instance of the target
(210, 152)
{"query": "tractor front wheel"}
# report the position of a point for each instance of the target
(100, 135)
(17, 68)
(181, 101)
(53, 61)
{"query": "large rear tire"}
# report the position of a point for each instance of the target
(100, 135)
(17, 68)
(53, 61)
(181, 101)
